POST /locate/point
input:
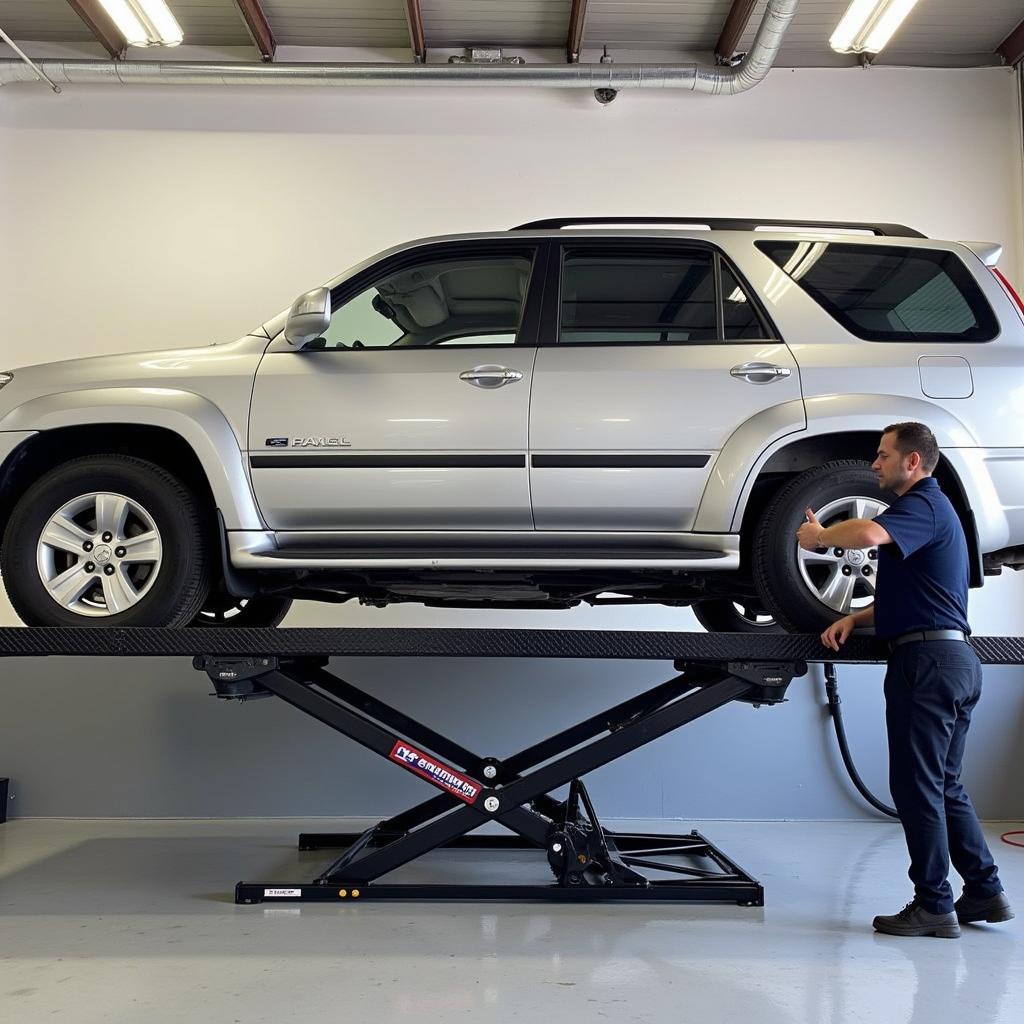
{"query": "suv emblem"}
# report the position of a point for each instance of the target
(321, 442)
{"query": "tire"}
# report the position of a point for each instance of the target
(723, 615)
(264, 611)
(165, 574)
(795, 600)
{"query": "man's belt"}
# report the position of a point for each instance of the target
(927, 634)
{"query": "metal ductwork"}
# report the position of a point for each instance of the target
(607, 77)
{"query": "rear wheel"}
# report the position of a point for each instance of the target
(743, 615)
(807, 591)
(107, 540)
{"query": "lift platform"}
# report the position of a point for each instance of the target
(588, 861)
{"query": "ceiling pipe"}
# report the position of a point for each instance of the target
(703, 78)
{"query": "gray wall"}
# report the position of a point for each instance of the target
(136, 737)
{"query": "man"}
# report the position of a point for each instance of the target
(932, 682)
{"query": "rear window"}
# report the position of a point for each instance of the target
(888, 293)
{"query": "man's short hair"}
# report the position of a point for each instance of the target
(916, 437)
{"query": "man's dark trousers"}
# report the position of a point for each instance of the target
(931, 688)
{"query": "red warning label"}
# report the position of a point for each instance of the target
(433, 771)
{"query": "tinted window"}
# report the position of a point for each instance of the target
(642, 298)
(739, 318)
(887, 293)
(458, 301)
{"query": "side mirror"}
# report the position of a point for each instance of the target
(309, 317)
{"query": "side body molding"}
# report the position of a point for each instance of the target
(194, 418)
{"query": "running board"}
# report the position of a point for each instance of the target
(488, 558)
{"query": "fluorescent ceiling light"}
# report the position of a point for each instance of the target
(127, 24)
(868, 25)
(145, 22)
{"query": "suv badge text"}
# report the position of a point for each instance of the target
(321, 442)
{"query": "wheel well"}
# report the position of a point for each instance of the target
(51, 448)
(807, 452)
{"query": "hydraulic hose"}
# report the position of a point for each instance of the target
(836, 711)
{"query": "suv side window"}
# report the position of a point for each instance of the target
(650, 296)
(635, 297)
(461, 300)
(888, 293)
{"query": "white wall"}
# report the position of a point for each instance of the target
(151, 217)
(158, 216)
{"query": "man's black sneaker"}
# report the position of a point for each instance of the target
(915, 920)
(992, 910)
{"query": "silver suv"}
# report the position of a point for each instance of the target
(573, 410)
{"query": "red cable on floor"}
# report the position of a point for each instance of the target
(1010, 841)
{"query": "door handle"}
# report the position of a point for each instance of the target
(490, 376)
(760, 373)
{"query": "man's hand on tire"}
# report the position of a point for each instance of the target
(809, 534)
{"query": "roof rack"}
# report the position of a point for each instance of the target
(725, 224)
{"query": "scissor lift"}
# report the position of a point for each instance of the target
(588, 862)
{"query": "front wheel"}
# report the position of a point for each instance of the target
(107, 540)
(806, 591)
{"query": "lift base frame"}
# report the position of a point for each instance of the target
(724, 882)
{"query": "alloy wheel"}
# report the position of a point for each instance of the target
(843, 579)
(99, 554)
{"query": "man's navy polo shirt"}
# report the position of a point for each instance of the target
(924, 573)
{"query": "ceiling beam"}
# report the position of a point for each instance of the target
(101, 25)
(1012, 47)
(574, 40)
(258, 26)
(414, 16)
(736, 22)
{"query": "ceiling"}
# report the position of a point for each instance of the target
(937, 32)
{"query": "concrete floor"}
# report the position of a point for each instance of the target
(132, 921)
